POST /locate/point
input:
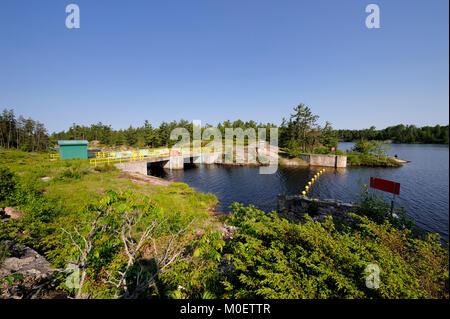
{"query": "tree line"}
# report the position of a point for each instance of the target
(146, 135)
(22, 133)
(409, 134)
(300, 133)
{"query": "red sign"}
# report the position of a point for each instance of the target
(333, 148)
(385, 185)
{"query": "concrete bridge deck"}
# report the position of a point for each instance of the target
(139, 164)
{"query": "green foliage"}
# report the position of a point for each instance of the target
(313, 208)
(4, 253)
(356, 157)
(105, 168)
(198, 276)
(8, 184)
(363, 147)
(25, 134)
(10, 279)
(301, 134)
(399, 134)
(375, 208)
(275, 258)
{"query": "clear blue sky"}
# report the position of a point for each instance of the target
(225, 59)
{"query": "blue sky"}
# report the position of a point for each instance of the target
(225, 59)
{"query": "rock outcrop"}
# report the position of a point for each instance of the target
(294, 207)
(9, 212)
(31, 274)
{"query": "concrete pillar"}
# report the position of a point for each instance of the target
(175, 162)
(211, 158)
(341, 161)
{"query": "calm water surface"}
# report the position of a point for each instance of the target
(424, 191)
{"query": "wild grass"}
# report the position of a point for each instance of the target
(74, 185)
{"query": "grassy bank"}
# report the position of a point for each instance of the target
(370, 160)
(63, 197)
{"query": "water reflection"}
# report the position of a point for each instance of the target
(424, 183)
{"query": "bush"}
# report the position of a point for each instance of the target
(275, 258)
(105, 168)
(8, 184)
(375, 208)
(70, 174)
(313, 208)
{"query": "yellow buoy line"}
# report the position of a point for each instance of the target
(311, 182)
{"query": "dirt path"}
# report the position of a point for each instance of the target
(145, 179)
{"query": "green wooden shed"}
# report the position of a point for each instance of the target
(73, 149)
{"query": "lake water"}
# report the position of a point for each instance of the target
(424, 190)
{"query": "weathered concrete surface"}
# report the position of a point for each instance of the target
(133, 167)
(172, 162)
(294, 207)
(325, 160)
(175, 162)
(208, 158)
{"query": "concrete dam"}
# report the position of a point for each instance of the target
(169, 162)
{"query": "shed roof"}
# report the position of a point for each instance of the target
(72, 142)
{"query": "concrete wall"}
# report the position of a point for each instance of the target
(175, 162)
(325, 160)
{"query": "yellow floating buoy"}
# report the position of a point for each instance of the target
(306, 187)
(309, 183)
(303, 193)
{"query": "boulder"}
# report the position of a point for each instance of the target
(33, 274)
(13, 213)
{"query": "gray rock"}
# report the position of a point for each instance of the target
(36, 274)
(13, 213)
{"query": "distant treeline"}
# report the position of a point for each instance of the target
(299, 132)
(409, 134)
(146, 135)
(22, 133)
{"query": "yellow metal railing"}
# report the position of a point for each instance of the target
(110, 160)
(126, 156)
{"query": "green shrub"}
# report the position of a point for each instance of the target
(275, 258)
(105, 168)
(4, 253)
(313, 208)
(375, 208)
(198, 276)
(8, 184)
(71, 174)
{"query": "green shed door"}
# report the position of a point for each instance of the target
(73, 151)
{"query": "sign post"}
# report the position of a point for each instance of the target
(386, 186)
